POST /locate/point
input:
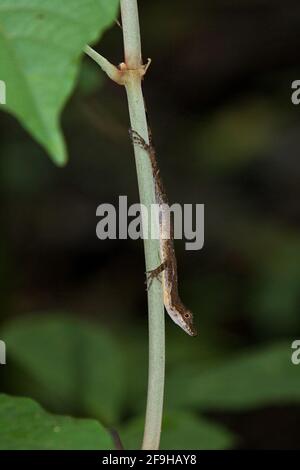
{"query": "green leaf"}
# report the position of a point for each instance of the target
(274, 296)
(180, 431)
(40, 48)
(24, 425)
(73, 366)
(238, 133)
(253, 379)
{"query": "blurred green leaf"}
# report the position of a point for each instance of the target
(274, 297)
(180, 431)
(75, 366)
(269, 255)
(41, 44)
(253, 379)
(237, 134)
(24, 425)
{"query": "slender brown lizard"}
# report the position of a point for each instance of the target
(168, 268)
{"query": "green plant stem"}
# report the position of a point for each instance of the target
(138, 121)
(130, 73)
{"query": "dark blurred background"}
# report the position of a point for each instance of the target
(218, 95)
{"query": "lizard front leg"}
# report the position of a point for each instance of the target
(138, 140)
(154, 273)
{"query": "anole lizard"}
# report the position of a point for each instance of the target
(168, 268)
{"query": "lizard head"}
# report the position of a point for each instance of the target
(182, 317)
(187, 322)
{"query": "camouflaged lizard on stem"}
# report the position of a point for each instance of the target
(168, 268)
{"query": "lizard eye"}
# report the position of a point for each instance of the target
(186, 315)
